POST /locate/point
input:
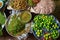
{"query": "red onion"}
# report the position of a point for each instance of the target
(44, 7)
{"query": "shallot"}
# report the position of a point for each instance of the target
(44, 7)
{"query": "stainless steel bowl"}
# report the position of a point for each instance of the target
(22, 35)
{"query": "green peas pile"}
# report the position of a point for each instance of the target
(39, 32)
(54, 34)
(46, 23)
(47, 36)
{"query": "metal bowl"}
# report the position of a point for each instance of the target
(25, 31)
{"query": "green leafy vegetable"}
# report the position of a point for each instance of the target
(15, 26)
(2, 18)
(30, 3)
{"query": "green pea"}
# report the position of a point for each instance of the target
(47, 22)
(46, 38)
(38, 35)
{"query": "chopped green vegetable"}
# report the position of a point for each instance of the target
(15, 26)
(2, 18)
(30, 3)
